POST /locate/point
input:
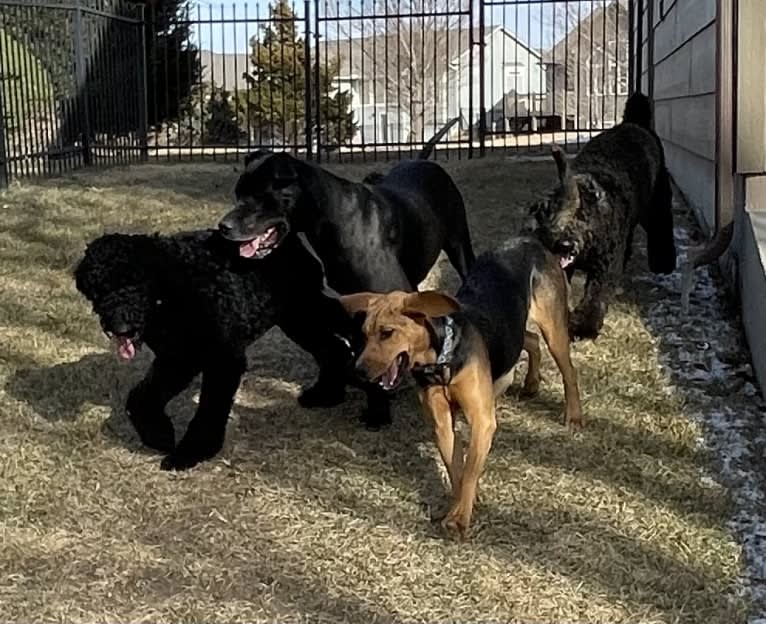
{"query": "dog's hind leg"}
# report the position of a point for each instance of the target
(532, 380)
(550, 313)
(658, 223)
(460, 254)
(146, 402)
(458, 245)
(206, 432)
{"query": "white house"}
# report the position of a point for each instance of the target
(405, 87)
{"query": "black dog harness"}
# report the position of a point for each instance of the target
(445, 333)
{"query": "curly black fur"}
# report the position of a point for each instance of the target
(195, 305)
(618, 180)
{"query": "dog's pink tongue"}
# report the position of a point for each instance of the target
(249, 249)
(254, 247)
(125, 348)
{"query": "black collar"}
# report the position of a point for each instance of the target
(445, 337)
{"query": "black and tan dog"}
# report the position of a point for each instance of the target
(370, 237)
(617, 181)
(462, 351)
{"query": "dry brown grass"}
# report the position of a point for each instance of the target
(306, 516)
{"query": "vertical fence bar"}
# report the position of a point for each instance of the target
(308, 135)
(4, 177)
(27, 106)
(318, 104)
(82, 87)
(17, 138)
(142, 96)
(631, 46)
(482, 103)
(639, 51)
(471, 44)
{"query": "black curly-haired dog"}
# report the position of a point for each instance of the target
(191, 301)
(618, 180)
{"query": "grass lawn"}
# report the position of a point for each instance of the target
(307, 517)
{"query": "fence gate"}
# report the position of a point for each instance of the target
(401, 68)
(73, 85)
(551, 71)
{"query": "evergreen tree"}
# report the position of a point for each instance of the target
(274, 106)
(221, 124)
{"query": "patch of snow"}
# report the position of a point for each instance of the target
(704, 357)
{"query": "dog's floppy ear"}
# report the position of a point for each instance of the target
(358, 302)
(429, 304)
(561, 161)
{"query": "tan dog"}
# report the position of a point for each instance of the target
(462, 351)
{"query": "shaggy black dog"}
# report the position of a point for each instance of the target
(618, 180)
(196, 306)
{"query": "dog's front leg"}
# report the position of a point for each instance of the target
(205, 435)
(437, 410)
(146, 403)
(473, 391)
(587, 318)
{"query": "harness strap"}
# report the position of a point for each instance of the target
(439, 373)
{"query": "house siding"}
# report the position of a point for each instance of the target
(684, 75)
(680, 71)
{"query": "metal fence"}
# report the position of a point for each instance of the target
(105, 81)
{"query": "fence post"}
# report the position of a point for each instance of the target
(471, 46)
(142, 97)
(482, 103)
(317, 94)
(639, 47)
(81, 72)
(307, 79)
(3, 153)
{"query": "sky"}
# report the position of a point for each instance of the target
(530, 22)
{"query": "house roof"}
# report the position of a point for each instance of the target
(591, 26)
(358, 55)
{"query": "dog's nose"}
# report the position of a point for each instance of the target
(360, 369)
(225, 226)
(566, 246)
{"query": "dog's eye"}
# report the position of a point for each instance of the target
(386, 333)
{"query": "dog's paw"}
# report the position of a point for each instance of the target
(457, 522)
(321, 396)
(376, 419)
(584, 327)
(530, 389)
(188, 455)
(162, 440)
(178, 462)
(156, 432)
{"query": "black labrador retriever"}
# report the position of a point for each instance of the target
(376, 237)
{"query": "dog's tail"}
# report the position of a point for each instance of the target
(638, 110)
(707, 255)
(425, 153)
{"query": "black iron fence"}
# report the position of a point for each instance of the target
(106, 81)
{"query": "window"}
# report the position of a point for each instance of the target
(513, 76)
